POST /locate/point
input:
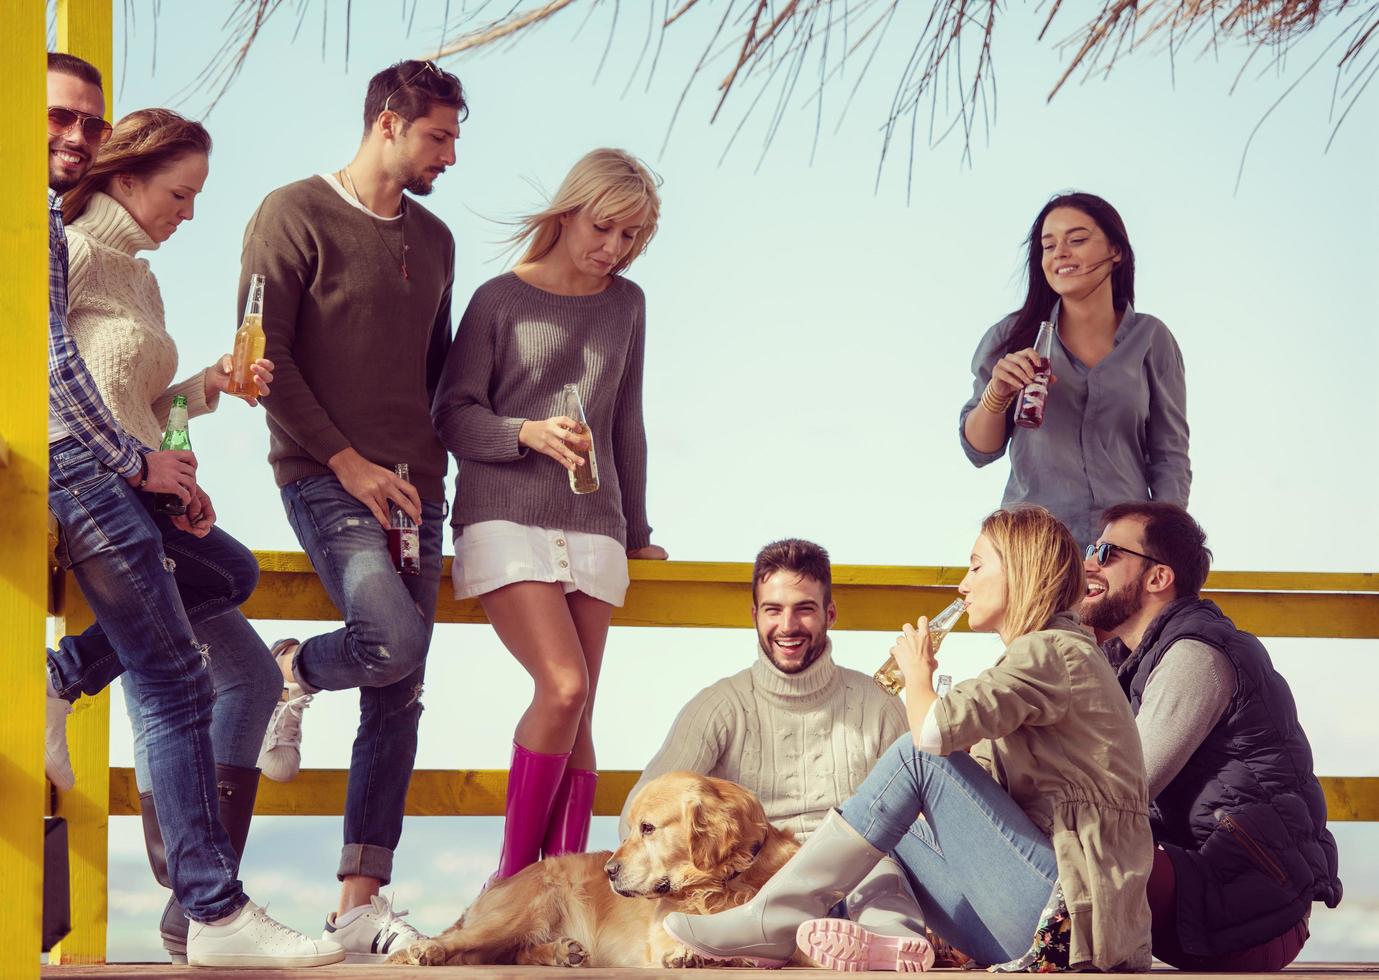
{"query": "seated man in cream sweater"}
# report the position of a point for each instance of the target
(795, 728)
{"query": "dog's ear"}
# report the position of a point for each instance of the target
(727, 826)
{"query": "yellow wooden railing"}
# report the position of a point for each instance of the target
(663, 594)
(677, 594)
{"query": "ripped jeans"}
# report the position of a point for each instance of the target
(381, 650)
(214, 576)
(115, 549)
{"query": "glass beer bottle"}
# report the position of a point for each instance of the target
(583, 479)
(889, 677)
(249, 343)
(404, 540)
(1029, 406)
(176, 437)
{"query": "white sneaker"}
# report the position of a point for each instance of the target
(56, 760)
(254, 941)
(373, 933)
(281, 755)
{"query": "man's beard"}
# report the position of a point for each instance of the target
(813, 652)
(419, 186)
(1115, 608)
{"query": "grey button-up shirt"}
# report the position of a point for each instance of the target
(1111, 433)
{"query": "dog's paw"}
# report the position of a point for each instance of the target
(428, 952)
(567, 952)
(682, 958)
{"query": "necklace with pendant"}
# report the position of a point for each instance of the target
(402, 225)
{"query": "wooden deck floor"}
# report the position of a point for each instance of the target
(148, 971)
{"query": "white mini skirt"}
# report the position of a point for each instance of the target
(492, 554)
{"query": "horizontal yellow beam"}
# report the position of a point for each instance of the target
(869, 597)
(480, 793)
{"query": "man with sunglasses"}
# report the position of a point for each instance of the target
(1237, 814)
(114, 547)
(357, 317)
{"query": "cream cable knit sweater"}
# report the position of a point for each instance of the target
(115, 313)
(802, 742)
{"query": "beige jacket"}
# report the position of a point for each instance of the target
(1052, 726)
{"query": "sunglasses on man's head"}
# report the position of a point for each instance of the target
(94, 129)
(1103, 552)
(435, 75)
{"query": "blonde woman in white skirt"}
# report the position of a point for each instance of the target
(549, 564)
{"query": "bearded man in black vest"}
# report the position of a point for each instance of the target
(1238, 816)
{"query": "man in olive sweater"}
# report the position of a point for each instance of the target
(357, 317)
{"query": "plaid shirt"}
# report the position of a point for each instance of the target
(72, 395)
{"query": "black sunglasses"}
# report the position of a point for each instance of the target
(1104, 551)
(94, 129)
(444, 78)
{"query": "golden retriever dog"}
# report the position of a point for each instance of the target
(697, 844)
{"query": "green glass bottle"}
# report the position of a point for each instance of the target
(176, 437)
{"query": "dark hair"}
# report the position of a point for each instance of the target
(804, 558)
(143, 143)
(1039, 295)
(410, 89)
(1173, 537)
(70, 64)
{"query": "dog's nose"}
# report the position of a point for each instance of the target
(612, 868)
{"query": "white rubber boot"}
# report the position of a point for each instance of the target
(827, 867)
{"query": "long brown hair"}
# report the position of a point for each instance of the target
(1043, 568)
(144, 142)
(1039, 295)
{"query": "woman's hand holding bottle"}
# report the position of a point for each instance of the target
(557, 437)
(1012, 372)
(218, 377)
(914, 654)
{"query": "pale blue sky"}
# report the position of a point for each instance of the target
(809, 344)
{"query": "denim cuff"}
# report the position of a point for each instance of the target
(369, 860)
(301, 679)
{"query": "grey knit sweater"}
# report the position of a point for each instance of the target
(515, 349)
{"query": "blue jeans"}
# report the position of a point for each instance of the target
(213, 575)
(246, 682)
(982, 871)
(115, 549)
(381, 650)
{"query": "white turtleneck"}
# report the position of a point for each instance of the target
(802, 742)
(115, 313)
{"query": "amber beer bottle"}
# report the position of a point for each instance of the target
(249, 343)
(889, 677)
(1029, 406)
(176, 437)
(404, 540)
(583, 479)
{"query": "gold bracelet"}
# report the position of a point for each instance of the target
(994, 405)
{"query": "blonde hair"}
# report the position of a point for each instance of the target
(612, 185)
(1043, 567)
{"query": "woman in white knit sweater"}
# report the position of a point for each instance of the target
(141, 187)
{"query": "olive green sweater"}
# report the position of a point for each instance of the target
(357, 349)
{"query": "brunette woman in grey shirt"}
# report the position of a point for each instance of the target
(1115, 424)
(547, 564)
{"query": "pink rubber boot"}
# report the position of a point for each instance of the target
(533, 780)
(567, 832)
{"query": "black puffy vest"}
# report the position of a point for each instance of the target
(1245, 820)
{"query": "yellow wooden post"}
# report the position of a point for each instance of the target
(86, 806)
(85, 28)
(23, 483)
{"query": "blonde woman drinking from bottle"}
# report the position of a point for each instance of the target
(549, 505)
(1032, 848)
